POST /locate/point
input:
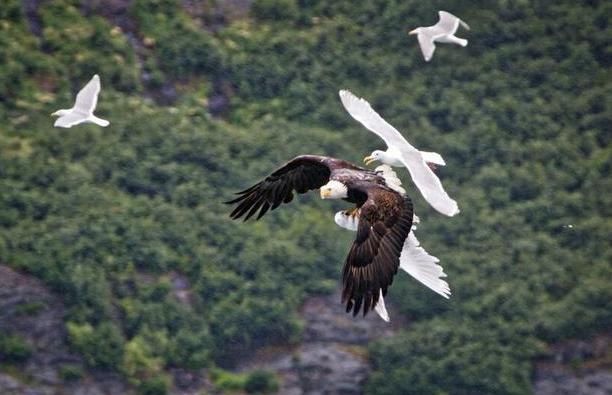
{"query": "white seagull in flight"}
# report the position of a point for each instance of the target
(84, 106)
(442, 32)
(401, 154)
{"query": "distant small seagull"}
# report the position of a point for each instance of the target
(442, 32)
(83, 109)
(400, 153)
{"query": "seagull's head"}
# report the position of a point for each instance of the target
(414, 31)
(60, 113)
(374, 156)
(334, 190)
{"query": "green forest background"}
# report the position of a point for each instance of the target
(202, 105)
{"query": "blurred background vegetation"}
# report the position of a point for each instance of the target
(203, 103)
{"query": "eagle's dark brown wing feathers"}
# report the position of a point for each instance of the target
(384, 223)
(301, 174)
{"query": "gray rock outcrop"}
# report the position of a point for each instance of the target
(331, 359)
(29, 310)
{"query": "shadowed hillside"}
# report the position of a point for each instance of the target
(126, 228)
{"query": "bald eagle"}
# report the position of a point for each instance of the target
(384, 218)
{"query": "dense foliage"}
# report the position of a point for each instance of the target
(14, 349)
(118, 219)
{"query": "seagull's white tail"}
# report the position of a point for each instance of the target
(422, 266)
(98, 121)
(433, 157)
(391, 178)
(461, 41)
(380, 308)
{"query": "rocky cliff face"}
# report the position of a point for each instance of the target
(29, 310)
(576, 367)
(331, 359)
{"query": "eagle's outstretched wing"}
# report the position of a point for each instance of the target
(301, 174)
(385, 220)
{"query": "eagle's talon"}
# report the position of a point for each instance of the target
(351, 212)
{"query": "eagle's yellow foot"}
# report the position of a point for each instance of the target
(352, 212)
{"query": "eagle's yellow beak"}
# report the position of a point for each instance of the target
(325, 193)
(369, 159)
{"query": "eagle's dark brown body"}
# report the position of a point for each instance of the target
(385, 219)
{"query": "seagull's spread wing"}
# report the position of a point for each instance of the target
(361, 110)
(301, 174)
(385, 219)
(433, 157)
(448, 22)
(391, 178)
(426, 43)
(428, 183)
(424, 178)
(422, 266)
(69, 120)
(87, 98)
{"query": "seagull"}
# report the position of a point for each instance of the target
(401, 154)
(442, 32)
(83, 109)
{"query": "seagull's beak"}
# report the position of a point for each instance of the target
(412, 32)
(54, 114)
(325, 193)
(369, 159)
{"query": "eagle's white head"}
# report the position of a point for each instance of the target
(334, 190)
